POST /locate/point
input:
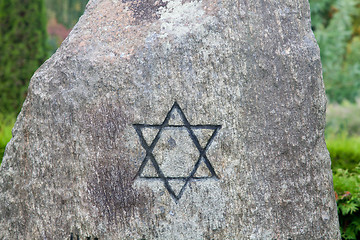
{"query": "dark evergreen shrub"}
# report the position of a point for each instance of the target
(23, 49)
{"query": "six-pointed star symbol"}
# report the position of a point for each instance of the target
(181, 125)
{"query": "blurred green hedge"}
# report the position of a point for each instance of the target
(23, 48)
(336, 24)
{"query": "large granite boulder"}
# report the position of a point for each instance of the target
(178, 119)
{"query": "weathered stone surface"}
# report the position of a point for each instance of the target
(175, 119)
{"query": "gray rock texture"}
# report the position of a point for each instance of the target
(179, 119)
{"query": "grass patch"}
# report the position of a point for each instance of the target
(6, 125)
(344, 151)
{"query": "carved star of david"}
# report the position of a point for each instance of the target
(202, 148)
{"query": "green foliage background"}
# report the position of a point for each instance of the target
(23, 47)
(347, 190)
(336, 24)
